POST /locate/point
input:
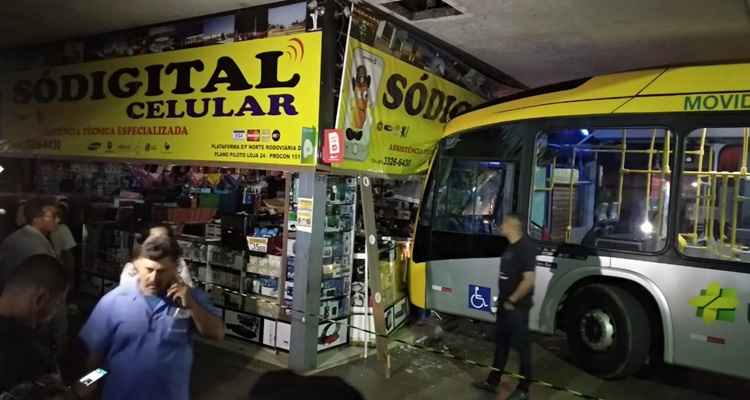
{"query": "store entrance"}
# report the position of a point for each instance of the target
(237, 228)
(232, 224)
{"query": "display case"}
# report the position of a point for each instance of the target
(233, 226)
(106, 247)
(395, 203)
(337, 263)
(241, 262)
(394, 260)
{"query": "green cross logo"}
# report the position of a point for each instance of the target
(715, 303)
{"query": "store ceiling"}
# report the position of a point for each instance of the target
(537, 42)
(545, 41)
(41, 21)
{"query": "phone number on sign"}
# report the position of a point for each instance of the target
(396, 162)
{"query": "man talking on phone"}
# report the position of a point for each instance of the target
(141, 333)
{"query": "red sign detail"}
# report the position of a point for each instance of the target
(715, 340)
(333, 146)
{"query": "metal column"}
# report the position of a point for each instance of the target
(373, 261)
(303, 354)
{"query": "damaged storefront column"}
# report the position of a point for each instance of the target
(373, 259)
(303, 355)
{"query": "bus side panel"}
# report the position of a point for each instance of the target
(537, 321)
(449, 282)
(709, 313)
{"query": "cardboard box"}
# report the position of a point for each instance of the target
(233, 300)
(332, 334)
(243, 326)
(277, 333)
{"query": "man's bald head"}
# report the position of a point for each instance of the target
(511, 226)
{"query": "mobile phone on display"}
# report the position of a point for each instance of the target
(93, 376)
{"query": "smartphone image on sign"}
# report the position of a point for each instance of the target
(93, 376)
(333, 139)
(366, 73)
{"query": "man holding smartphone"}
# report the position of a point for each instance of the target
(142, 333)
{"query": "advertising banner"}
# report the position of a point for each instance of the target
(393, 113)
(250, 102)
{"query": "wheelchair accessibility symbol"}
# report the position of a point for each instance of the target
(480, 298)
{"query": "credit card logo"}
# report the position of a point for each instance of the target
(253, 135)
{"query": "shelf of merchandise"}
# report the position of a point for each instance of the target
(243, 300)
(104, 263)
(339, 231)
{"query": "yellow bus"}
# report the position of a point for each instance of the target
(634, 186)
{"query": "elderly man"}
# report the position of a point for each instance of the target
(142, 333)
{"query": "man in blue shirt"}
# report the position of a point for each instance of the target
(141, 333)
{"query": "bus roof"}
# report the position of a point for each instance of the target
(669, 89)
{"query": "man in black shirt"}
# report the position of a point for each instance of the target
(33, 292)
(516, 287)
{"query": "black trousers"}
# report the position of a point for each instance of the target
(512, 330)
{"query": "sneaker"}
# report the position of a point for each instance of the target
(486, 386)
(519, 395)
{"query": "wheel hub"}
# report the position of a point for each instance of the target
(597, 330)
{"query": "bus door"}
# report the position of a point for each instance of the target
(474, 181)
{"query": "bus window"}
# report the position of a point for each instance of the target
(714, 205)
(602, 188)
(469, 195)
(473, 182)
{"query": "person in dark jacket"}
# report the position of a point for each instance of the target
(32, 294)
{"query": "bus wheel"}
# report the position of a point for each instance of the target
(608, 332)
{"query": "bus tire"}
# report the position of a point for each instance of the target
(608, 331)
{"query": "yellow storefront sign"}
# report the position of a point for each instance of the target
(249, 102)
(393, 113)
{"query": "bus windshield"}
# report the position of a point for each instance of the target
(468, 195)
(471, 186)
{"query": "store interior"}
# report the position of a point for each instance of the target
(236, 227)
